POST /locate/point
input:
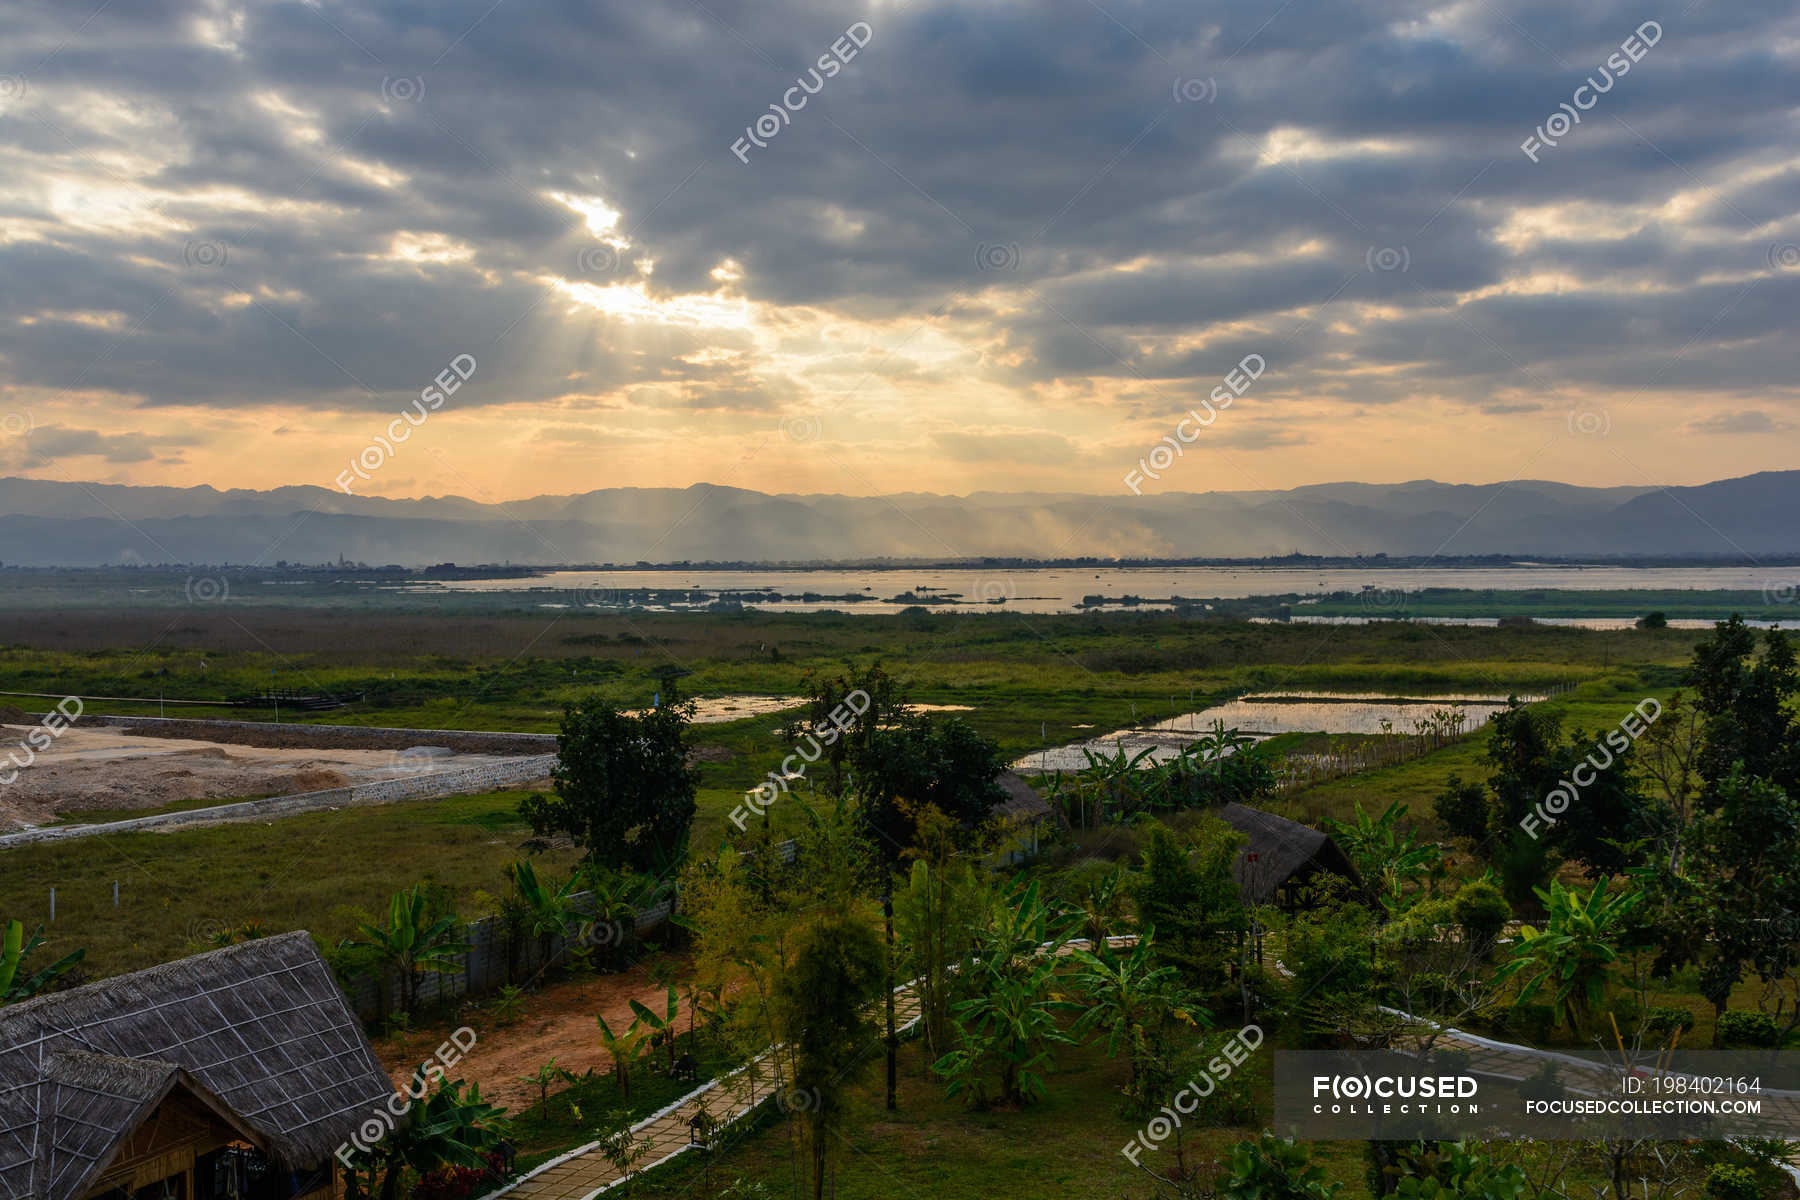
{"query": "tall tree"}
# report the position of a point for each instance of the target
(1747, 705)
(1522, 750)
(823, 1006)
(624, 789)
(915, 762)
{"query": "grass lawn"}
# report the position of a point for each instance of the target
(321, 871)
(1067, 1144)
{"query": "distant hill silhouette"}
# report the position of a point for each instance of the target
(46, 523)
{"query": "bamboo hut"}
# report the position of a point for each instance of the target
(236, 1073)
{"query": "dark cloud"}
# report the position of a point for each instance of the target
(1353, 193)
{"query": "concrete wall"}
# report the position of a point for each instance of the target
(483, 969)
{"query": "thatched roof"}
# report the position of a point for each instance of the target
(259, 1032)
(1022, 803)
(1283, 849)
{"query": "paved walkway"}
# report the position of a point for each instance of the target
(585, 1172)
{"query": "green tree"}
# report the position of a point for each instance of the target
(935, 916)
(915, 763)
(1191, 897)
(1391, 859)
(15, 948)
(823, 1005)
(624, 1049)
(552, 907)
(1737, 910)
(1747, 705)
(661, 1026)
(1522, 749)
(624, 789)
(1462, 808)
(415, 941)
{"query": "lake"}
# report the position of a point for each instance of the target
(1062, 589)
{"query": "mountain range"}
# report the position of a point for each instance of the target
(54, 523)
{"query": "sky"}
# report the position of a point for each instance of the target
(901, 246)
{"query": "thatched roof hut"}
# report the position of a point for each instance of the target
(1281, 856)
(1022, 805)
(254, 1043)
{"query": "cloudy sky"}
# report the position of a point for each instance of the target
(997, 246)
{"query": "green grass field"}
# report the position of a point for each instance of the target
(1025, 682)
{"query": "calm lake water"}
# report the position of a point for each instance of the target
(1061, 589)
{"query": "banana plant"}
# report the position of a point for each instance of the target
(624, 1049)
(661, 1029)
(15, 948)
(1387, 858)
(1574, 952)
(554, 913)
(413, 943)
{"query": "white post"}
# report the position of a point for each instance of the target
(53, 905)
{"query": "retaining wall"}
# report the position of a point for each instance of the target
(342, 737)
(501, 773)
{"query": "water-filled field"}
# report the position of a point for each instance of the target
(1266, 714)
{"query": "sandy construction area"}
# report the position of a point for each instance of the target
(108, 768)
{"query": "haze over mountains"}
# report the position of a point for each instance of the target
(47, 523)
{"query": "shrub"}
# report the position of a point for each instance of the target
(1275, 1169)
(1481, 912)
(1533, 1022)
(1726, 1182)
(1542, 1084)
(1667, 1019)
(451, 1183)
(1748, 1029)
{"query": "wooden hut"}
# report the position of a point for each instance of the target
(1280, 857)
(238, 1073)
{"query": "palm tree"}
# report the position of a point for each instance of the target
(615, 913)
(1573, 954)
(15, 948)
(412, 942)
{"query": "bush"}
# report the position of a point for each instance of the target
(1542, 1084)
(1481, 912)
(1533, 1022)
(1748, 1029)
(1667, 1019)
(1272, 1168)
(1725, 1182)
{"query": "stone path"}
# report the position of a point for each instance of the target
(585, 1172)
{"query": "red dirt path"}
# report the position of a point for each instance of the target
(555, 1022)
